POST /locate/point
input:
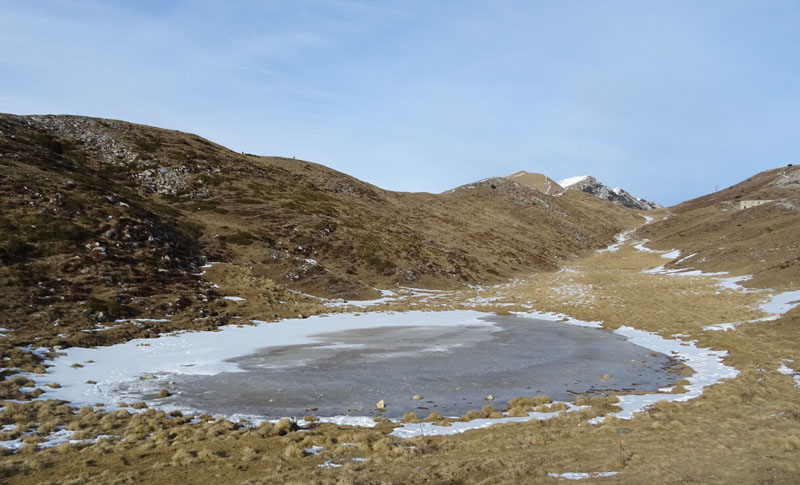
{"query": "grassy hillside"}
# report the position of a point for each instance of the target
(763, 241)
(105, 220)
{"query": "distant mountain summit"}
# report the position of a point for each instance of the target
(585, 183)
(538, 181)
(617, 195)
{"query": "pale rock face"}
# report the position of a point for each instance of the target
(591, 185)
(585, 183)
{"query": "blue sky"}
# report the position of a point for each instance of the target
(667, 99)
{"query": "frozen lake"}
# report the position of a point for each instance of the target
(345, 372)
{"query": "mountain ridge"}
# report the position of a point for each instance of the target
(122, 217)
(584, 183)
(617, 195)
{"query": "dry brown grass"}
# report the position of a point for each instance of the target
(744, 430)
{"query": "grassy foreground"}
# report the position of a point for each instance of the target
(744, 430)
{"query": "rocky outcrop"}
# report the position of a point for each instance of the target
(617, 195)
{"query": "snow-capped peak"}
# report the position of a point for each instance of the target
(572, 180)
(617, 195)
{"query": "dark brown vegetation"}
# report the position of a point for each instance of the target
(104, 220)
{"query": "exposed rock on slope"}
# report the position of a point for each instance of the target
(590, 185)
(538, 181)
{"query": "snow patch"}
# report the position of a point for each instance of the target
(582, 476)
(661, 270)
(775, 307)
(732, 283)
(781, 303)
(685, 258)
(788, 371)
(61, 435)
(675, 253)
(409, 430)
(360, 421)
(572, 180)
(13, 445)
(724, 327)
(640, 247)
(387, 296)
(140, 320)
(620, 238)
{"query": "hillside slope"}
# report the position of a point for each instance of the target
(105, 220)
(724, 234)
(538, 181)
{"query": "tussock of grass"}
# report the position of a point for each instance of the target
(410, 417)
(434, 417)
(528, 403)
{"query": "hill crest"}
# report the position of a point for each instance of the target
(538, 181)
